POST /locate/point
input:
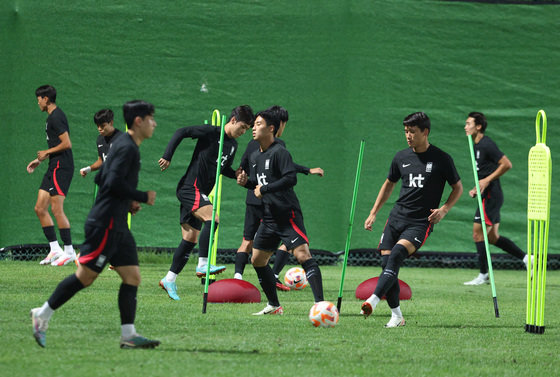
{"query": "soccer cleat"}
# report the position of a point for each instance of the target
(366, 309)
(395, 322)
(138, 341)
(214, 270)
(39, 327)
(280, 286)
(64, 259)
(479, 280)
(270, 309)
(53, 255)
(170, 288)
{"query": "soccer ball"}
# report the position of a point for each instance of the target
(323, 314)
(295, 278)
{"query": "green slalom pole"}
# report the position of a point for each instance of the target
(350, 223)
(483, 222)
(213, 222)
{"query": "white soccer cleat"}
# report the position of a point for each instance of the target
(40, 327)
(53, 255)
(395, 322)
(64, 259)
(526, 261)
(270, 309)
(479, 280)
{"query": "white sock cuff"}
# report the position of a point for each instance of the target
(171, 276)
(202, 261)
(128, 331)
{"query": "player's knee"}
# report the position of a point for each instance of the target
(477, 237)
(40, 211)
(302, 255)
(133, 280)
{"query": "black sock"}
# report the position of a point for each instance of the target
(204, 239)
(268, 284)
(127, 303)
(482, 260)
(314, 277)
(65, 236)
(390, 274)
(49, 233)
(280, 261)
(241, 259)
(64, 291)
(181, 256)
(392, 295)
(384, 260)
(508, 246)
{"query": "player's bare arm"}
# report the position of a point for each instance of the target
(242, 178)
(93, 167)
(151, 198)
(65, 143)
(134, 207)
(163, 164)
(317, 171)
(504, 164)
(439, 213)
(33, 165)
(258, 193)
(382, 197)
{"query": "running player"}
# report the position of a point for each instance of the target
(423, 169)
(273, 179)
(57, 178)
(253, 211)
(107, 237)
(195, 186)
(491, 164)
(103, 119)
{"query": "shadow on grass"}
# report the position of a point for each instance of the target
(209, 350)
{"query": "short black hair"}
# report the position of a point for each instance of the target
(271, 119)
(418, 119)
(136, 108)
(280, 112)
(479, 118)
(244, 114)
(103, 116)
(46, 91)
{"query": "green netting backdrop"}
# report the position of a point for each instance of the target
(346, 71)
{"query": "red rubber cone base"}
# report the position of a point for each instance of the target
(233, 290)
(366, 288)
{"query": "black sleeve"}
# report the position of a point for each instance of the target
(194, 132)
(394, 172)
(301, 169)
(285, 165)
(228, 172)
(244, 164)
(115, 179)
(452, 176)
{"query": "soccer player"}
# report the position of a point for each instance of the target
(103, 119)
(253, 211)
(272, 179)
(423, 169)
(491, 164)
(57, 178)
(107, 237)
(195, 186)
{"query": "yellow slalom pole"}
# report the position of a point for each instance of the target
(538, 218)
(218, 122)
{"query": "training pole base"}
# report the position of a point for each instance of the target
(203, 281)
(534, 329)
